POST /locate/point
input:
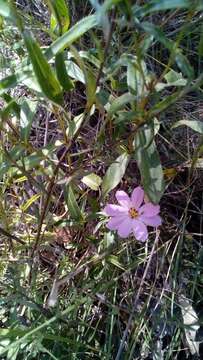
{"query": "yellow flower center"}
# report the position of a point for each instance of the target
(133, 213)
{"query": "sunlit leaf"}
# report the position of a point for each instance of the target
(5, 10)
(190, 321)
(27, 113)
(60, 15)
(193, 124)
(74, 125)
(30, 201)
(115, 173)
(92, 180)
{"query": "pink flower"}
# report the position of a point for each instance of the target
(131, 216)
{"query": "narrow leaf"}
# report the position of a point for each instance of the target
(61, 72)
(70, 36)
(27, 113)
(43, 71)
(149, 164)
(29, 202)
(60, 44)
(184, 65)
(72, 204)
(60, 13)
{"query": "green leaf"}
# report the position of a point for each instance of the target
(120, 102)
(70, 36)
(184, 65)
(136, 74)
(72, 204)
(114, 261)
(11, 108)
(60, 15)
(149, 164)
(115, 173)
(61, 72)
(158, 34)
(43, 71)
(29, 202)
(174, 78)
(164, 104)
(11, 81)
(92, 180)
(193, 124)
(27, 113)
(74, 71)
(60, 44)
(74, 125)
(5, 165)
(163, 5)
(5, 10)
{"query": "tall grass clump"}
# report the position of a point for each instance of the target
(101, 158)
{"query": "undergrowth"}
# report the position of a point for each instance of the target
(96, 97)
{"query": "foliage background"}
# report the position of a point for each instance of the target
(96, 96)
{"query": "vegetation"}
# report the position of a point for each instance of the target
(98, 97)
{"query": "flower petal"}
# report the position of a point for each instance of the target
(137, 197)
(125, 228)
(123, 198)
(140, 230)
(154, 221)
(149, 209)
(115, 210)
(115, 221)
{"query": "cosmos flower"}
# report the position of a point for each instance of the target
(131, 215)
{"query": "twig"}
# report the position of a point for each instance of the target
(11, 237)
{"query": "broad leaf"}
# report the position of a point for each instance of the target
(74, 125)
(120, 102)
(92, 180)
(115, 173)
(193, 124)
(5, 10)
(190, 322)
